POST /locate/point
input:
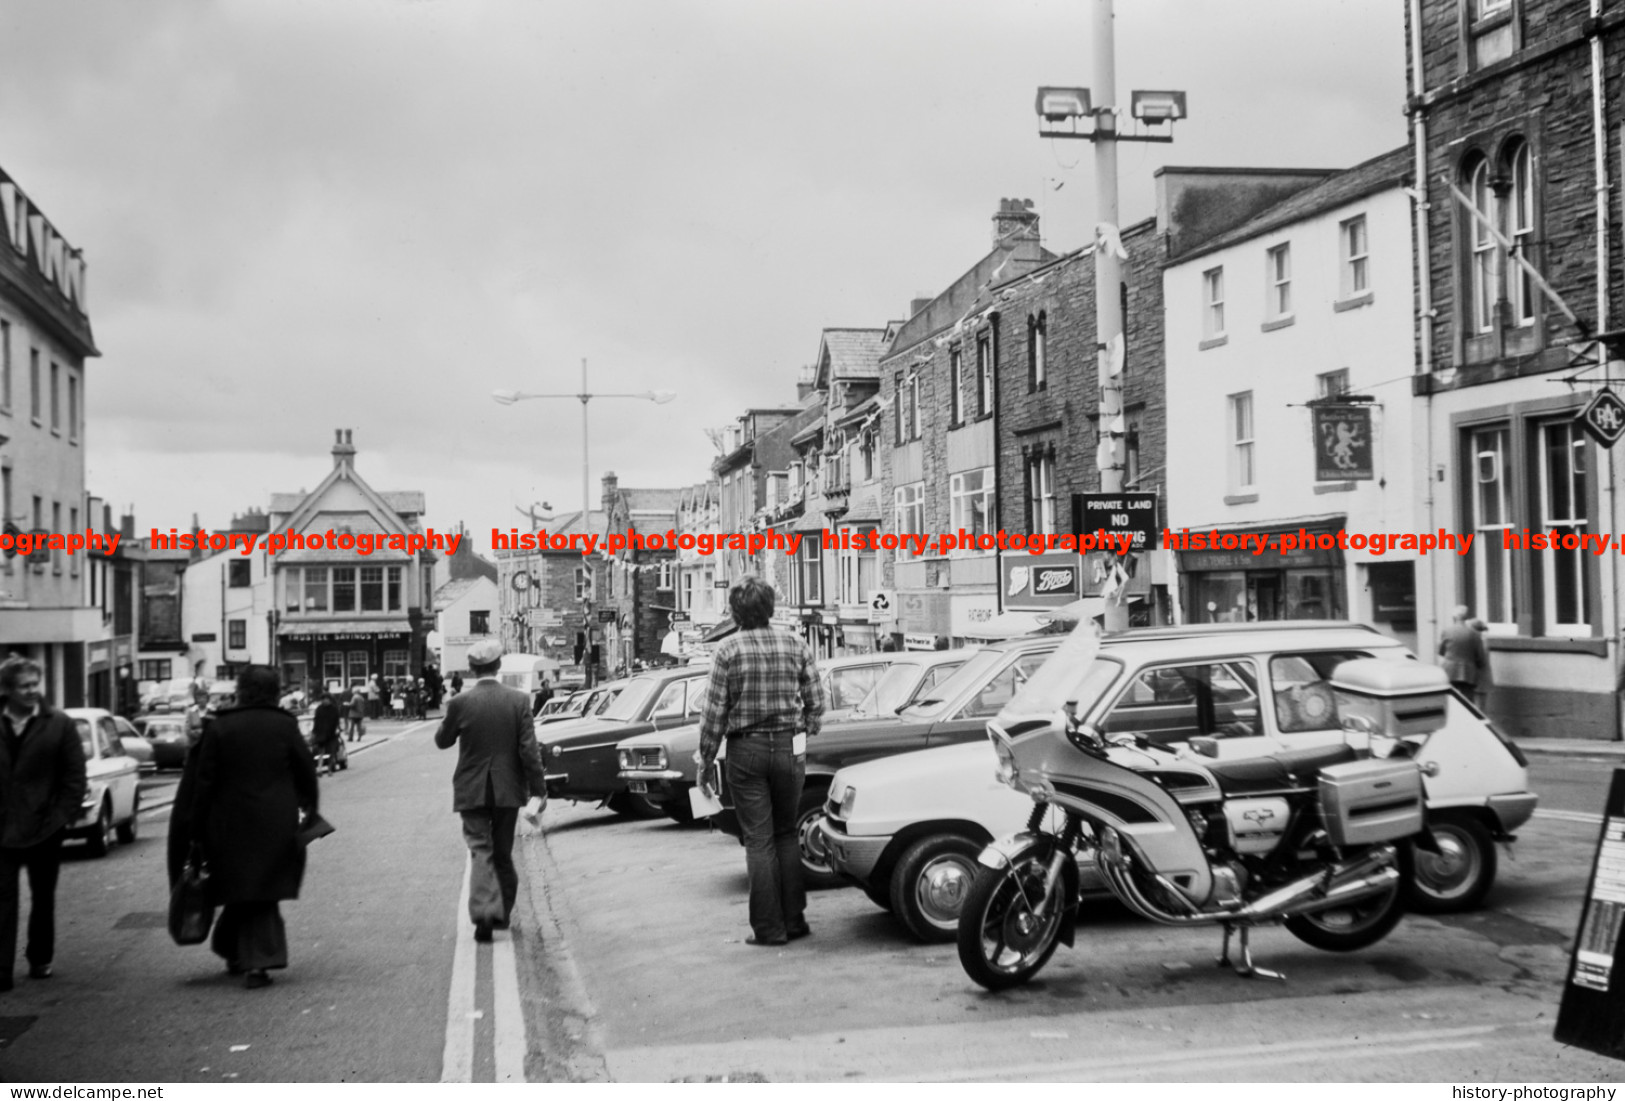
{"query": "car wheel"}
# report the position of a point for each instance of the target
(102, 837)
(815, 869)
(628, 805)
(929, 885)
(1459, 875)
(127, 830)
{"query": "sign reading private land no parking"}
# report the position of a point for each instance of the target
(1120, 514)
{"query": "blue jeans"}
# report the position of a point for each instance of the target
(765, 777)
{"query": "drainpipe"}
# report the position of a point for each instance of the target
(1599, 151)
(1424, 281)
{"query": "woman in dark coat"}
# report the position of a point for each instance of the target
(247, 784)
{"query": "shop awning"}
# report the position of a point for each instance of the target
(346, 627)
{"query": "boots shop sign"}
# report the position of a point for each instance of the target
(35, 242)
(1036, 581)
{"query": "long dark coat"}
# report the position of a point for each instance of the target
(244, 788)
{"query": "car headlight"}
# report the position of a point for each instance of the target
(624, 756)
(1007, 771)
(556, 751)
(849, 799)
(660, 759)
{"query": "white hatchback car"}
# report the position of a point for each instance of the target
(113, 795)
(908, 828)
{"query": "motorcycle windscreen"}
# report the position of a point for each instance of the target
(1057, 681)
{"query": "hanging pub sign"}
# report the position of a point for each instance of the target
(1603, 418)
(1342, 443)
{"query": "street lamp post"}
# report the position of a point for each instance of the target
(1151, 109)
(510, 397)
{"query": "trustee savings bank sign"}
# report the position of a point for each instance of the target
(31, 238)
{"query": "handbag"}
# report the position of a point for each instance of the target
(191, 913)
(313, 826)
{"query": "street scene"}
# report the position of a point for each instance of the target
(858, 542)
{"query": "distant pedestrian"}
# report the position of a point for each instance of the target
(374, 706)
(242, 797)
(764, 688)
(456, 682)
(543, 694)
(42, 787)
(324, 731)
(498, 765)
(1486, 676)
(358, 715)
(414, 699)
(1465, 658)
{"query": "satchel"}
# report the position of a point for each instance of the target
(191, 913)
(313, 827)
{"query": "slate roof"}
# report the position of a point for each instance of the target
(854, 353)
(452, 591)
(401, 500)
(1377, 174)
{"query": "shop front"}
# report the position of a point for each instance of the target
(340, 656)
(1238, 584)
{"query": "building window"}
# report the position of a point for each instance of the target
(583, 584)
(984, 375)
(358, 667)
(5, 366)
(688, 591)
(372, 588)
(811, 563)
(333, 668)
(908, 511)
(914, 405)
(395, 664)
(1278, 272)
(897, 409)
(857, 575)
(1037, 352)
(1213, 303)
(73, 407)
(344, 588)
(1332, 384)
(1131, 452)
(866, 456)
(56, 398)
(35, 385)
(6, 515)
(315, 588)
(292, 590)
(1566, 589)
(1520, 227)
(970, 502)
(237, 634)
(1241, 441)
(479, 623)
(1483, 291)
(1488, 452)
(1491, 29)
(153, 669)
(393, 588)
(73, 525)
(237, 571)
(56, 525)
(956, 386)
(1041, 493)
(1356, 270)
(664, 577)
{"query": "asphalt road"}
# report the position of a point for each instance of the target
(628, 963)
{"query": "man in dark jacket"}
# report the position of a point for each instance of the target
(42, 785)
(498, 762)
(324, 732)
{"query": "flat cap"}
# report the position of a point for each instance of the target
(487, 651)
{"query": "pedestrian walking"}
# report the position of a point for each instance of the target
(374, 706)
(763, 690)
(358, 714)
(498, 765)
(42, 786)
(1486, 675)
(1465, 658)
(456, 682)
(543, 694)
(414, 699)
(241, 799)
(324, 732)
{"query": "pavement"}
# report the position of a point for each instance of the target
(1572, 747)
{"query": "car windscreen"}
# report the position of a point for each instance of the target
(891, 691)
(632, 699)
(973, 673)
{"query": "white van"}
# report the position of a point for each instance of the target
(528, 672)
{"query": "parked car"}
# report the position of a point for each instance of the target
(580, 753)
(660, 763)
(913, 676)
(135, 745)
(908, 829)
(583, 703)
(113, 795)
(169, 737)
(956, 710)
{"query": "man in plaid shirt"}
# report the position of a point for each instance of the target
(764, 690)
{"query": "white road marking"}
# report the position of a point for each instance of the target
(457, 1060)
(1571, 816)
(509, 1026)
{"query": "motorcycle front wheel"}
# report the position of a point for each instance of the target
(1006, 932)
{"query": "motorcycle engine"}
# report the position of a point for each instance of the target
(1229, 883)
(1256, 825)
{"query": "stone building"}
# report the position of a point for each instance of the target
(1516, 117)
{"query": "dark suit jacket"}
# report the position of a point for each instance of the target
(42, 789)
(324, 724)
(498, 761)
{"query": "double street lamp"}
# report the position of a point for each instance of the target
(510, 397)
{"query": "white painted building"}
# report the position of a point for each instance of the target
(228, 612)
(466, 611)
(1307, 301)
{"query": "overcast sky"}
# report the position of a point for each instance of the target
(307, 214)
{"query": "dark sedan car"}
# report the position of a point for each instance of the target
(168, 736)
(580, 753)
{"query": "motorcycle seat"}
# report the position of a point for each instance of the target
(1294, 769)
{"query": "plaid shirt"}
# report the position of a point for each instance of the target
(762, 681)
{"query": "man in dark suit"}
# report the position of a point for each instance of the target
(498, 763)
(42, 785)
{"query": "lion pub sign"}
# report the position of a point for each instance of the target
(1342, 443)
(1604, 417)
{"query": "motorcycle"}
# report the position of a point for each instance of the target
(1309, 839)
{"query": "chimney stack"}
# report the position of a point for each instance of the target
(343, 449)
(611, 487)
(1015, 221)
(915, 305)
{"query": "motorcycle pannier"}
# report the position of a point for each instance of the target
(1396, 698)
(1366, 802)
